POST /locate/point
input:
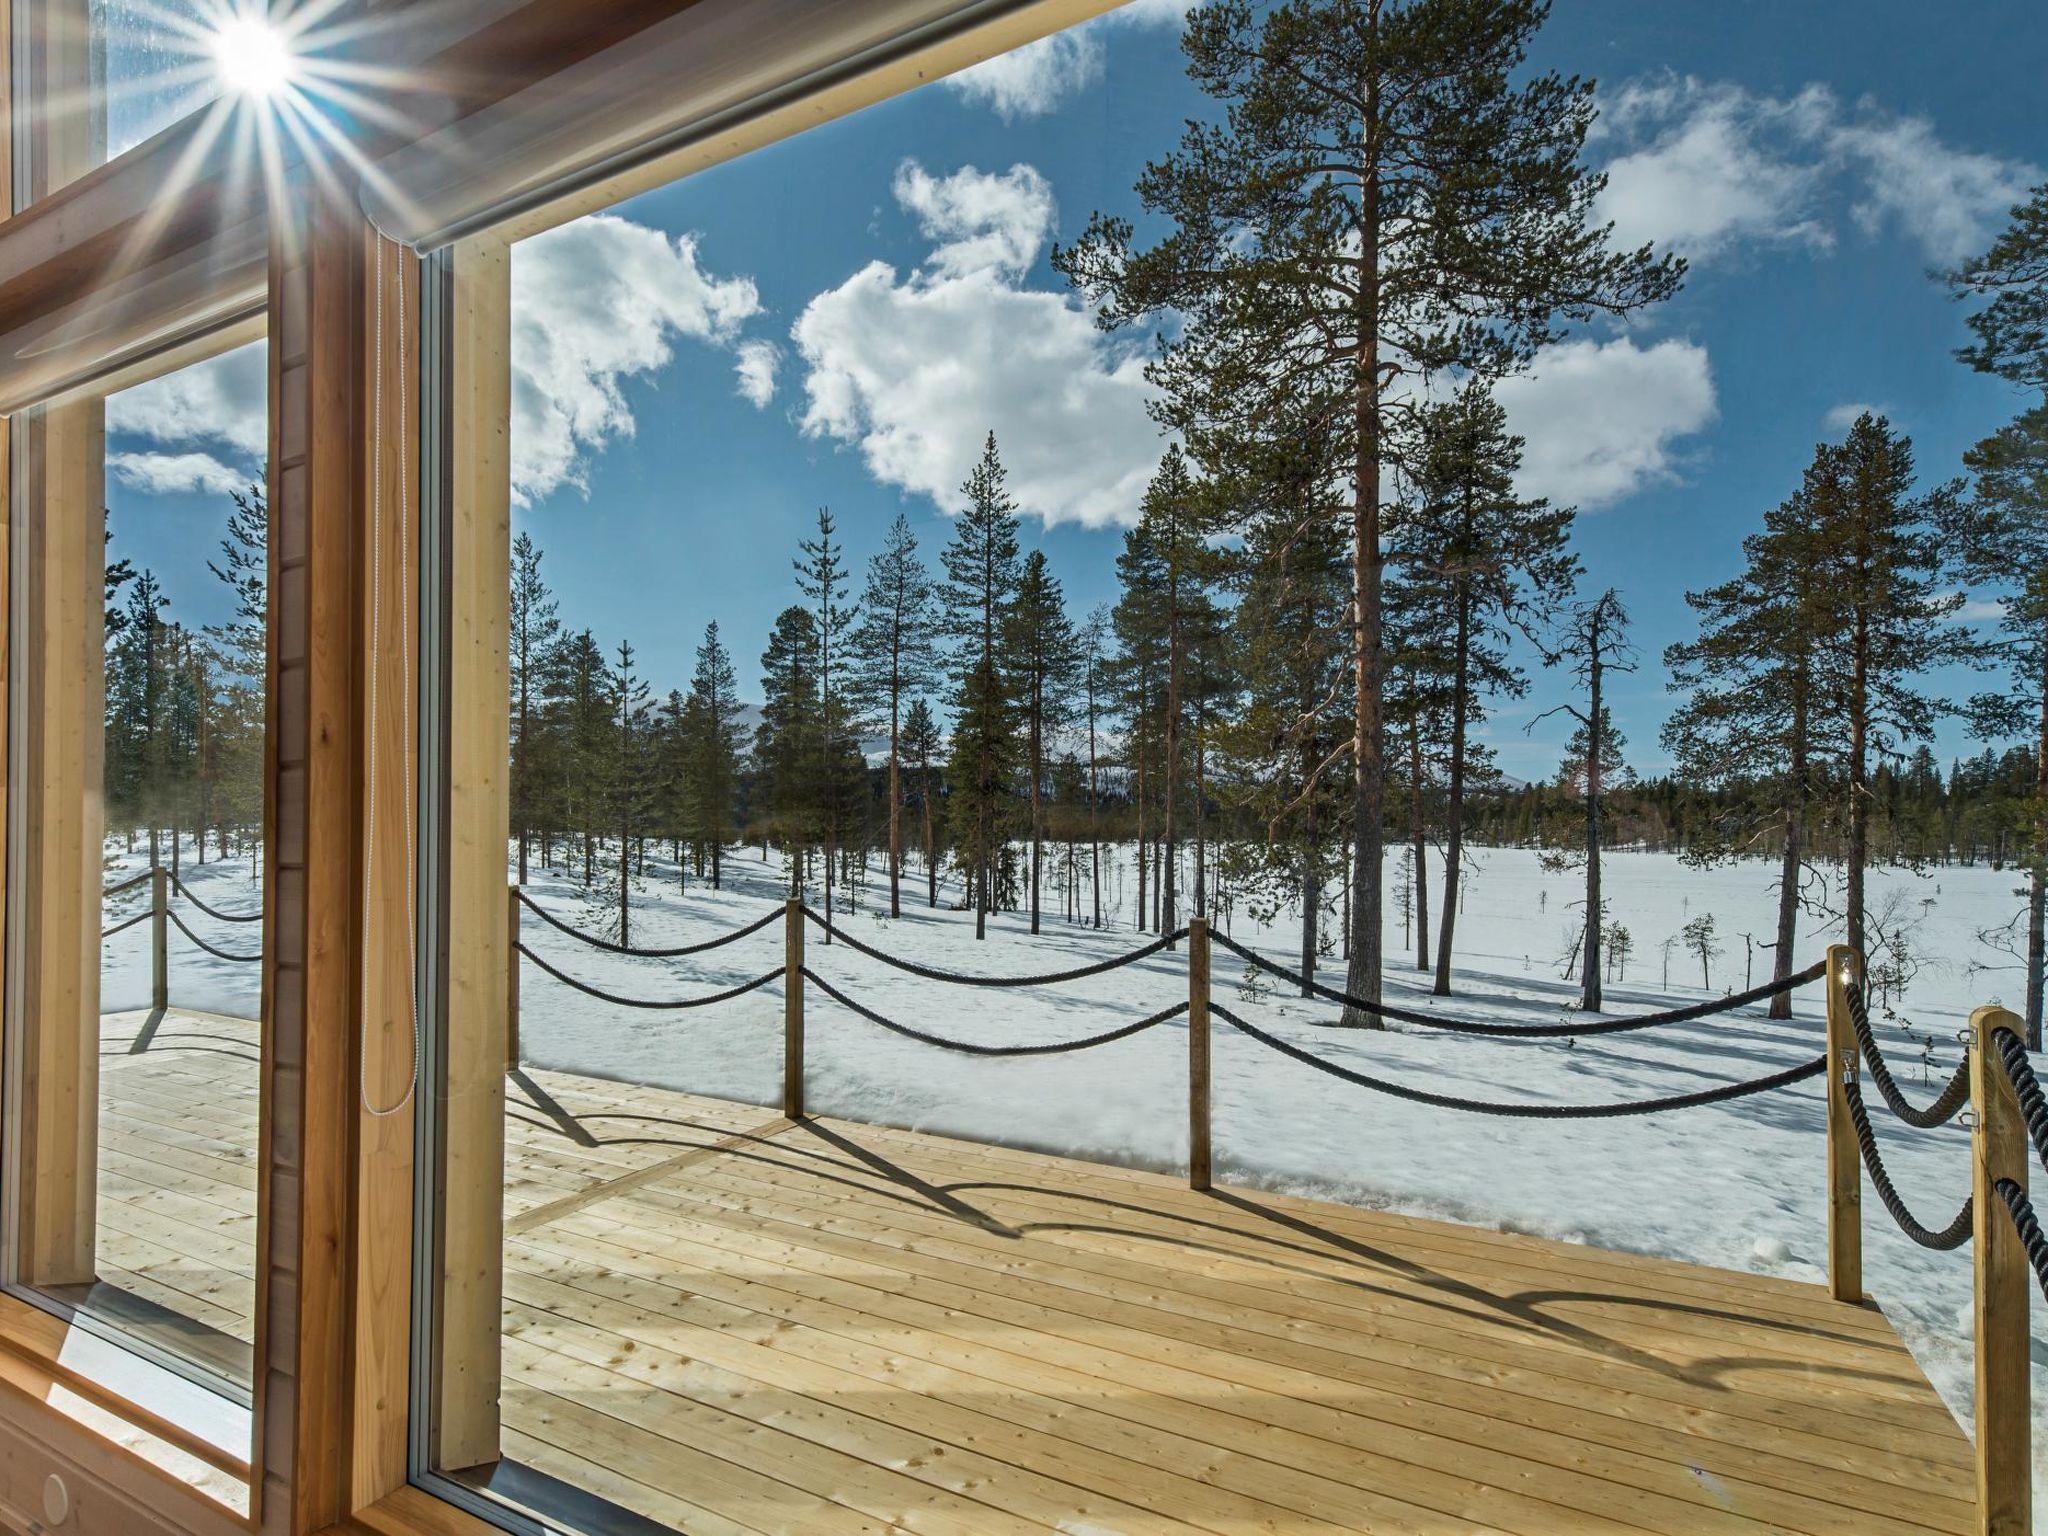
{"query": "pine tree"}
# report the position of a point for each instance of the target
(1093, 673)
(626, 776)
(1040, 647)
(2012, 276)
(921, 748)
(1754, 728)
(895, 658)
(2002, 541)
(1391, 196)
(1138, 623)
(713, 739)
(536, 629)
(1594, 642)
(233, 717)
(980, 590)
(580, 702)
(1483, 562)
(1885, 566)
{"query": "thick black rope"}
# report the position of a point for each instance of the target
(971, 1048)
(613, 998)
(141, 917)
(1528, 1031)
(964, 979)
(213, 950)
(126, 885)
(213, 912)
(1528, 1111)
(648, 954)
(1943, 1239)
(2028, 1225)
(2012, 1054)
(1946, 1104)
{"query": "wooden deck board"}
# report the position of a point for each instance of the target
(727, 1322)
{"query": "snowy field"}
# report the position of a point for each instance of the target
(1740, 1185)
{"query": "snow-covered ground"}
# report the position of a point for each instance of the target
(1740, 1185)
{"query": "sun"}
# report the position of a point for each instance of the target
(253, 57)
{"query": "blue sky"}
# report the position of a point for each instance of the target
(887, 276)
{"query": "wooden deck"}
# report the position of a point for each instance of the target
(726, 1322)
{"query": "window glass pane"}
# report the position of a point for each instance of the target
(158, 60)
(677, 721)
(136, 927)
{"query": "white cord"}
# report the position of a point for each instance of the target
(375, 664)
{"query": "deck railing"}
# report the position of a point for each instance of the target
(164, 885)
(1995, 1088)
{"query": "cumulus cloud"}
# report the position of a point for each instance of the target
(1841, 418)
(1031, 81)
(165, 474)
(595, 303)
(756, 363)
(1701, 166)
(1603, 420)
(914, 369)
(224, 401)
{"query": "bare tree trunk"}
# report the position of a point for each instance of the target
(1362, 925)
(1589, 975)
(1420, 884)
(1454, 811)
(1794, 854)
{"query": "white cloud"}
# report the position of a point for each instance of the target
(756, 363)
(1032, 80)
(224, 401)
(1602, 420)
(1979, 611)
(1701, 166)
(594, 303)
(1842, 417)
(914, 369)
(165, 474)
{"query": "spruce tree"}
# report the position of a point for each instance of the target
(980, 589)
(1040, 649)
(713, 739)
(580, 702)
(1483, 562)
(2002, 544)
(921, 747)
(536, 629)
(1391, 195)
(786, 747)
(821, 577)
(1092, 683)
(895, 658)
(625, 772)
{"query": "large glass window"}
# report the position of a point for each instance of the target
(136, 879)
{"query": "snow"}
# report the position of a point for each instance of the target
(1740, 1185)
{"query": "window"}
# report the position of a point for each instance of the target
(136, 882)
(689, 382)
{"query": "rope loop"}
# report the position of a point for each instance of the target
(971, 1048)
(1947, 1104)
(214, 912)
(967, 979)
(2028, 1225)
(1526, 1031)
(646, 954)
(1526, 1111)
(218, 953)
(1942, 1239)
(2012, 1055)
(669, 1005)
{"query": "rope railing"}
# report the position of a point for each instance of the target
(126, 885)
(1941, 1239)
(1381, 1010)
(1718, 1095)
(122, 927)
(2028, 1225)
(1947, 1104)
(214, 950)
(670, 953)
(971, 979)
(975, 1047)
(2011, 1051)
(663, 1005)
(185, 891)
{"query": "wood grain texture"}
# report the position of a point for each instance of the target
(2004, 1286)
(1845, 1162)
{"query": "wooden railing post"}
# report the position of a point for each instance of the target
(512, 978)
(793, 1009)
(1198, 1053)
(2000, 1150)
(1845, 1165)
(159, 938)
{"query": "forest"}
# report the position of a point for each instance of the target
(1330, 589)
